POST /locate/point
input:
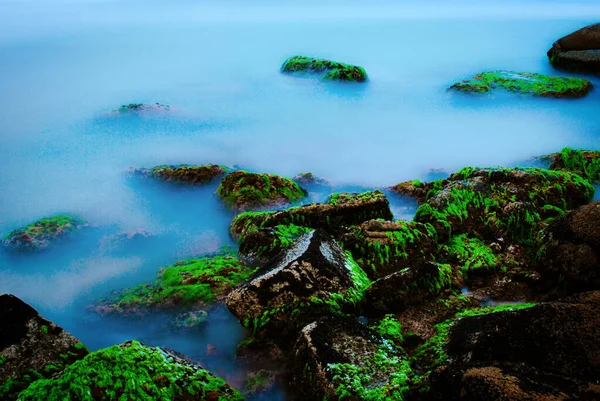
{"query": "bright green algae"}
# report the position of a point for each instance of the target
(586, 163)
(188, 283)
(333, 70)
(130, 372)
(38, 234)
(526, 83)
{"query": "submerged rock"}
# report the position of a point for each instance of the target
(309, 179)
(31, 347)
(132, 371)
(526, 83)
(243, 190)
(548, 351)
(337, 358)
(586, 163)
(184, 174)
(141, 108)
(332, 70)
(569, 250)
(42, 233)
(313, 277)
(189, 284)
(189, 320)
(579, 51)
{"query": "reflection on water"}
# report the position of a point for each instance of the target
(65, 65)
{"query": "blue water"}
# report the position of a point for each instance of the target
(64, 65)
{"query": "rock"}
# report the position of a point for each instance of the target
(586, 163)
(309, 179)
(244, 190)
(184, 174)
(569, 250)
(189, 320)
(384, 247)
(40, 234)
(188, 284)
(141, 108)
(332, 70)
(525, 83)
(132, 371)
(413, 189)
(311, 278)
(338, 358)
(579, 51)
(409, 286)
(259, 246)
(548, 351)
(341, 209)
(507, 203)
(31, 347)
(259, 381)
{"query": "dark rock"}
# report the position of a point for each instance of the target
(311, 278)
(184, 174)
(338, 358)
(141, 108)
(549, 351)
(31, 347)
(258, 247)
(243, 190)
(579, 51)
(569, 252)
(413, 189)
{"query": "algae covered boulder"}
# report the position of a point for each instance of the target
(586, 163)
(525, 83)
(138, 108)
(244, 190)
(311, 278)
(31, 347)
(188, 284)
(579, 51)
(309, 179)
(184, 174)
(337, 358)
(42, 233)
(132, 371)
(330, 70)
(547, 351)
(569, 250)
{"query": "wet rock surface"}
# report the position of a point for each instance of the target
(578, 51)
(184, 174)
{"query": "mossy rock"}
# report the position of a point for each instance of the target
(312, 278)
(188, 284)
(586, 163)
(31, 347)
(244, 190)
(415, 189)
(525, 83)
(184, 174)
(259, 246)
(578, 51)
(141, 108)
(132, 371)
(331, 70)
(337, 358)
(310, 179)
(42, 233)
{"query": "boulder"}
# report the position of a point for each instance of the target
(337, 358)
(311, 278)
(579, 51)
(548, 351)
(138, 108)
(569, 250)
(586, 163)
(42, 233)
(525, 83)
(330, 70)
(310, 179)
(132, 371)
(184, 174)
(31, 347)
(244, 190)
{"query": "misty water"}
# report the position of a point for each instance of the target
(65, 65)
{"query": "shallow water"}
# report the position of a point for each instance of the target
(64, 65)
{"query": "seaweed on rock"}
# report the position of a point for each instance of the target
(40, 234)
(332, 69)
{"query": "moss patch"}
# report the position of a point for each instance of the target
(586, 163)
(131, 372)
(526, 83)
(188, 283)
(40, 233)
(331, 70)
(186, 174)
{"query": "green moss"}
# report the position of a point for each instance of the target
(332, 70)
(583, 162)
(471, 254)
(527, 83)
(46, 228)
(187, 283)
(130, 372)
(389, 327)
(357, 381)
(44, 329)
